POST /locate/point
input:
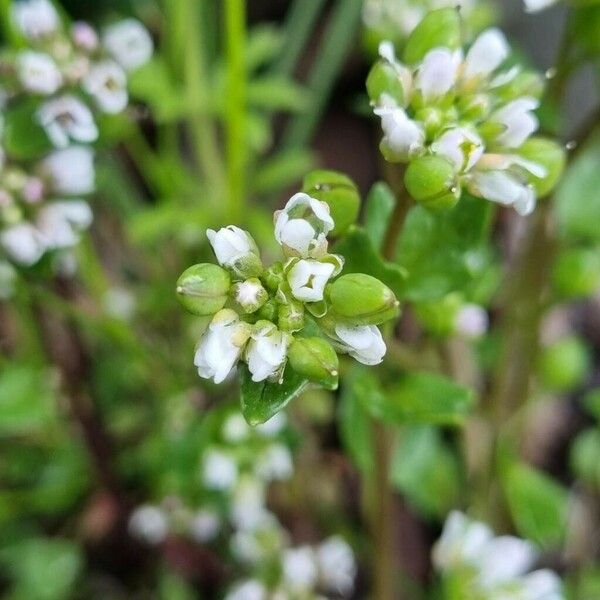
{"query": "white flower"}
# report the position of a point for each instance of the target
(250, 294)
(437, 73)
(84, 36)
(537, 5)
(307, 279)
(221, 346)
(38, 72)
(235, 428)
(471, 321)
(275, 463)
(504, 188)
(119, 303)
(518, 120)
(363, 343)
(246, 547)
(71, 171)
(300, 568)
(337, 566)
(461, 146)
(106, 82)
(266, 350)
(503, 559)
(35, 18)
(149, 523)
(403, 137)
(301, 227)
(67, 118)
(543, 584)
(248, 510)
(60, 222)
(23, 243)
(273, 426)
(486, 54)
(204, 525)
(219, 470)
(247, 590)
(231, 245)
(129, 43)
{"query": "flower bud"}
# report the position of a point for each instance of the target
(438, 29)
(315, 359)
(432, 118)
(383, 79)
(203, 289)
(236, 250)
(291, 316)
(563, 365)
(250, 294)
(549, 155)
(360, 299)
(577, 273)
(431, 181)
(339, 192)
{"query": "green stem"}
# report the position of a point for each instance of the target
(235, 107)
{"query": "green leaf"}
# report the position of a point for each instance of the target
(263, 45)
(261, 401)
(24, 138)
(361, 257)
(277, 93)
(379, 207)
(423, 397)
(577, 198)
(537, 503)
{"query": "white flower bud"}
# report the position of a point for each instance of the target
(248, 590)
(219, 470)
(106, 82)
(486, 54)
(266, 351)
(363, 343)
(437, 73)
(65, 119)
(204, 525)
(460, 146)
(471, 321)
(84, 36)
(518, 120)
(308, 278)
(275, 463)
(301, 227)
(60, 222)
(23, 243)
(71, 171)
(38, 72)
(235, 249)
(221, 346)
(35, 18)
(250, 294)
(149, 524)
(300, 568)
(129, 43)
(403, 138)
(337, 566)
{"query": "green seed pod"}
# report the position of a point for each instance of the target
(383, 79)
(291, 316)
(315, 359)
(432, 182)
(203, 289)
(549, 155)
(439, 28)
(564, 365)
(362, 300)
(577, 273)
(339, 192)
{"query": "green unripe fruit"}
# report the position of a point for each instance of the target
(203, 289)
(564, 365)
(431, 181)
(577, 273)
(291, 316)
(439, 28)
(383, 79)
(362, 300)
(549, 155)
(584, 457)
(315, 359)
(339, 192)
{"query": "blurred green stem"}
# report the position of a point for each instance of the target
(235, 107)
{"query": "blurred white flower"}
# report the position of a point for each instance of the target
(471, 321)
(300, 568)
(248, 510)
(437, 73)
(35, 18)
(129, 43)
(273, 426)
(119, 303)
(248, 590)
(149, 524)
(61, 222)
(23, 243)
(204, 525)
(84, 36)
(266, 350)
(543, 584)
(71, 170)
(275, 463)
(307, 279)
(518, 121)
(38, 72)
(537, 5)
(235, 428)
(65, 119)
(106, 82)
(337, 566)
(219, 470)
(364, 343)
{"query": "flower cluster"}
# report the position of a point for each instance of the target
(459, 120)
(475, 564)
(53, 90)
(300, 310)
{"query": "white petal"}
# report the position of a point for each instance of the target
(505, 558)
(23, 243)
(437, 73)
(519, 121)
(487, 53)
(537, 5)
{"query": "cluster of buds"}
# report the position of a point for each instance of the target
(476, 564)
(460, 122)
(298, 311)
(53, 89)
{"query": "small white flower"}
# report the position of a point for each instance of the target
(503, 559)
(518, 120)
(106, 82)
(486, 54)
(35, 18)
(273, 426)
(248, 590)
(403, 137)
(129, 43)
(71, 170)
(363, 343)
(537, 5)
(231, 245)
(307, 279)
(38, 72)
(65, 119)
(246, 547)
(437, 73)
(471, 321)
(275, 463)
(60, 222)
(235, 428)
(266, 350)
(84, 36)
(301, 227)
(248, 509)
(33, 190)
(204, 525)
(300, 568)
(119, 303)
(543, 584)
(219, 470)
(221, 346)
(337, 566)
(23, 243)
(461, 146)
(504, 188)
(149, 523)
